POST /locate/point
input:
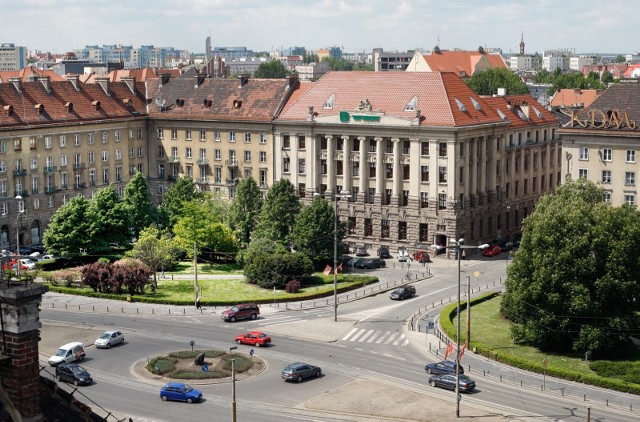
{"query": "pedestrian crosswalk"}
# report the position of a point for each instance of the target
(363, 335)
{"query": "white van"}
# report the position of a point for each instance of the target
(70, 352)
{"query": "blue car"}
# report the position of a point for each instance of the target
(178, 391)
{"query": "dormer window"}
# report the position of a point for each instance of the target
(237, 103)
(69, 107)
(96, 104)
(180, 102)
(502, 116)
(476, 104)
(39, 108)
(329, 103)
(207, 102)
(411, 105)
(460, 105)
(127, 102)
(521, 115)
(8, 109)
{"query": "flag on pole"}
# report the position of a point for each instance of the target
(448, 351)
(327, 270)
(464, 346)
(339, 269)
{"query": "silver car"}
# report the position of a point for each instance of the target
(108, 339)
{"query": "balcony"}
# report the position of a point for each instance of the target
(174, 159)
(20, 172)
(50, 189)
(50, 169)
(264, 185)
(231, 182)
(231, 163)
(64, 186)
(79, 186)
(92, 182)
(202, 161)
(171, 177)
(34, 191)
(23, 193)
(201, 180)
(79, 166)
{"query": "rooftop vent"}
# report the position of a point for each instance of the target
(207, 102)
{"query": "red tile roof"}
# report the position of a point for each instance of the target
(574, 97)
(459, 61)
(515, 107)
(390, 93)
(27, 72)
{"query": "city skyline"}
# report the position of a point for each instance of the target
(355, 25)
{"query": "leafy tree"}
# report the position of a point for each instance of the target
(339, 64)
(543, 77)
(137, 198)
(269, 265)
(245, 208)
(279, 212)
(271, 70)
(109, 219)
(607, 77)
(310, 58)
(156, 249)
(573, 284)
(620, 58)
(70, 229)
(488, 82)
(313, 232)
(364, 66)
(184, 189)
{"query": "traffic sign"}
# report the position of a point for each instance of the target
(205, 368)
(476, 274)
(251, 352)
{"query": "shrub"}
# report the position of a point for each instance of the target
(293, 286)
(162, 365)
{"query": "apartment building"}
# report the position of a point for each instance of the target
(12, 57)
(216, 131)
(463, 63)
(59, 139)
(424, 158)
(600, 142)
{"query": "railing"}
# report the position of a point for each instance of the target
(231, 163)
(231, 182)
(50, 189)
(202, 161)
(50, 169)
(79, 165)
(20, 172)
(174, 159)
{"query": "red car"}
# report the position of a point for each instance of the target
(492, 250)
(420, 254)
(254, 338)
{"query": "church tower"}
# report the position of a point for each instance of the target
(522, 44)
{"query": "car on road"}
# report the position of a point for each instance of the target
(448, 381)
(361, 251)
(178, 391)
(492, 250)
(422, 254)
(73, 373)
(402, 254)
(241, 311)
(253, 338)
(68, 353)
(403, 293)
(108, 339)
(442, 367)
(299, 371)
(27, 263)
(383, 252)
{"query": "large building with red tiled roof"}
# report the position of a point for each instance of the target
(575, 97)
(463, 63)
(424, 158)
(601, 142)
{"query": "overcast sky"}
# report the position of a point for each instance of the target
(356, 25)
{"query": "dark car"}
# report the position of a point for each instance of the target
(241, 311)
(38, 248)
(299, 371)
(403, 293)
(383, 252)
(74, 373)
(179, 391)
(443, 367)
(25, 250)
(448, 381)
(369, 263)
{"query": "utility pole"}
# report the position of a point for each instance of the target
(468, 311)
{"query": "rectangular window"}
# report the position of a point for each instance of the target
(63, 141)
(355, 169)
(582, 173)
(118, 154)
(263, 156)
(286, 142)
(389, 170)
(389, 146)
(606, 154)
(76, 140)
(630, 199)
(203, 135)
(406, 171)
(356, 145)
(424, 173)
(405, 198)
(371, 196)
(301, 165)
(352, 225)
(189, 153)
(232, 136)
(372, 169)
(217, 154)
(584, 153)
(323, 143)
(630, 178)
(442, 175)
(105, 155)
(461, 175)
(607, 196)
(302, 189)
(372, 145)
(323, 166)
(339, 168)
(442, 149)
(631, 156)
(174, 134)
(442, 201)
(606, 176)
(116, 134)
(368, 227)
(402, 230)
(301, 142)
(263, 138)
(286, 165)
(247, 156)
(247, 137)
(216, 136)
(385, 230)
(406, 147)
(160, 134)
(461, 150)
(187, 134)
(424, 199)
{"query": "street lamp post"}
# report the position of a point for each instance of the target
(336, 195)
(233, 383)
(458, 244)
(18, 263)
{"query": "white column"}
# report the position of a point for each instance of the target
(364, 177)
(331, 165)
(347, 178)
(380, 173)
(396, 191)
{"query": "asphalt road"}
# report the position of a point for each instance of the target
(373, 366)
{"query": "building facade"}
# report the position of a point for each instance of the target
(12, 57)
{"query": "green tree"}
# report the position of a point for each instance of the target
(310, 58)
(606, 77)
(245, 209)
(69, 230)
(313, 232)
(137, 198)
(156, 249)
(620, 58)
(170, 210)
(573, 284)
(488, 82)
(269, 265)
(339, 64)
(109, 218)
(279, 211)
(271, 70)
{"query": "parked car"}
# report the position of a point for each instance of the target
(47, 258)
(369, 263)
(403, 293)
(299, 371)
(253, 338)
(421, 254)
(27, 264)
(109, 338)
(442, 367)
(68, 353)
(241, 311)
(38, 248)
(25, 250)
(361, 251)
(448, 381)
(178, 391)
(383, 252)
(492, 250)
(74, 373)
(402, 254)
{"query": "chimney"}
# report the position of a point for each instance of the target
(502, 92)
(46, 82)
(292, 80)
(8, 109)
(310, 114)
(244, 78)
(20, 306)
(75, 81)
(131, 83)
(17, 83)
(524, 107)
(164, 78)
(104, 83)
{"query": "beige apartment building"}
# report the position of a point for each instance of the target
(424, 158)
(600, 142)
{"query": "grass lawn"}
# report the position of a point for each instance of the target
(186, 267)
